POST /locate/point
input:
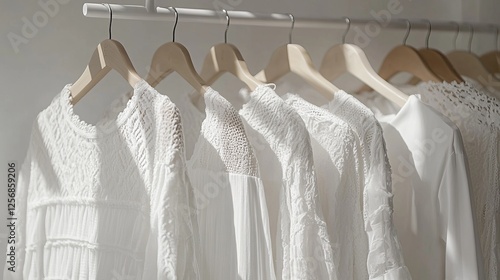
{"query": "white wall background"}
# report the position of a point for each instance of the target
(34, 71)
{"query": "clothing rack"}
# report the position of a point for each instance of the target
(151, 12)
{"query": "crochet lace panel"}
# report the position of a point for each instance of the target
(304, 250)
(385, 254)
(476, 115)
(223, 144)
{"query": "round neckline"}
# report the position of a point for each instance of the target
(105, 126)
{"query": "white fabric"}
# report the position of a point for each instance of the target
(385, 260)
(432, 200)
(230, 202)
(469, 109)
(339, 170)
(283, 148)
(106, 201)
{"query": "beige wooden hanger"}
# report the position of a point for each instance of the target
(174, 57)
(438, 62)
(226, 58)
(293, 58)
(468, 64)
(109, 54)
(347, 58)
(491, 60)
(403, 59)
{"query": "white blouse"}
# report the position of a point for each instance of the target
(283, 148)
(339, 170)
(106, 201)
(385, 260)
(432, 205)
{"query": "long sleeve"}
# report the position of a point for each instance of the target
(385, 260)
(457, 229)
(19, 242)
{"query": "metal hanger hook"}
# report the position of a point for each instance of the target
(429, 31)
(496, 35)
(408, 29)
(471, 36)
(348, 21)
(228, 20)
(291, 29)
(457, 33)
(110, 19)
(175, 23)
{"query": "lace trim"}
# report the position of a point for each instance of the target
(105, 125)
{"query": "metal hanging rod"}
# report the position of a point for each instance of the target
(151, 12)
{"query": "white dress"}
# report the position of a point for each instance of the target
(471, 111)
(106, 201)
(339, 170)
(385, 260)
(283, 148)
(230, 203)
(431, 185)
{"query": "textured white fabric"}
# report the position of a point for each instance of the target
(283, 148)
(385, 260)
(229, 198)
(337, 159)
(469, 109)
(432, 201)
(108, 201)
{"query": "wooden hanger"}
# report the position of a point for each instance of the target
(407, 59)
(468, 64)
(491, 60)
(438, 62)
(347, 58)
(109, 54)
(226, 58)
(174, 57)
(293, 58)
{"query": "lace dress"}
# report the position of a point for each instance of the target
(477, 116)
(283, 148)
(339, 170)
(230, 204)
(385, 260)
(106, 201)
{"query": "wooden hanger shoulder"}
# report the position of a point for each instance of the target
(491, 61)
(109, 54)
(174, 57)
(293, 58)
(224, 58)
(469, 65)
(347, 58)
(440, 65)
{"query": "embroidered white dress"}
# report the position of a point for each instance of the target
(385, 260)
(230, 203)
(339, 170)
(283, 148)
(106, 201)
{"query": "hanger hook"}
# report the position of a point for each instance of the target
(348, 21)
(429, 31)
(228, 20)
(457, 32)
(292, 18)
(175, 23)
(408, 29)
(471, 36)
(110, 19)
(496, 35)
